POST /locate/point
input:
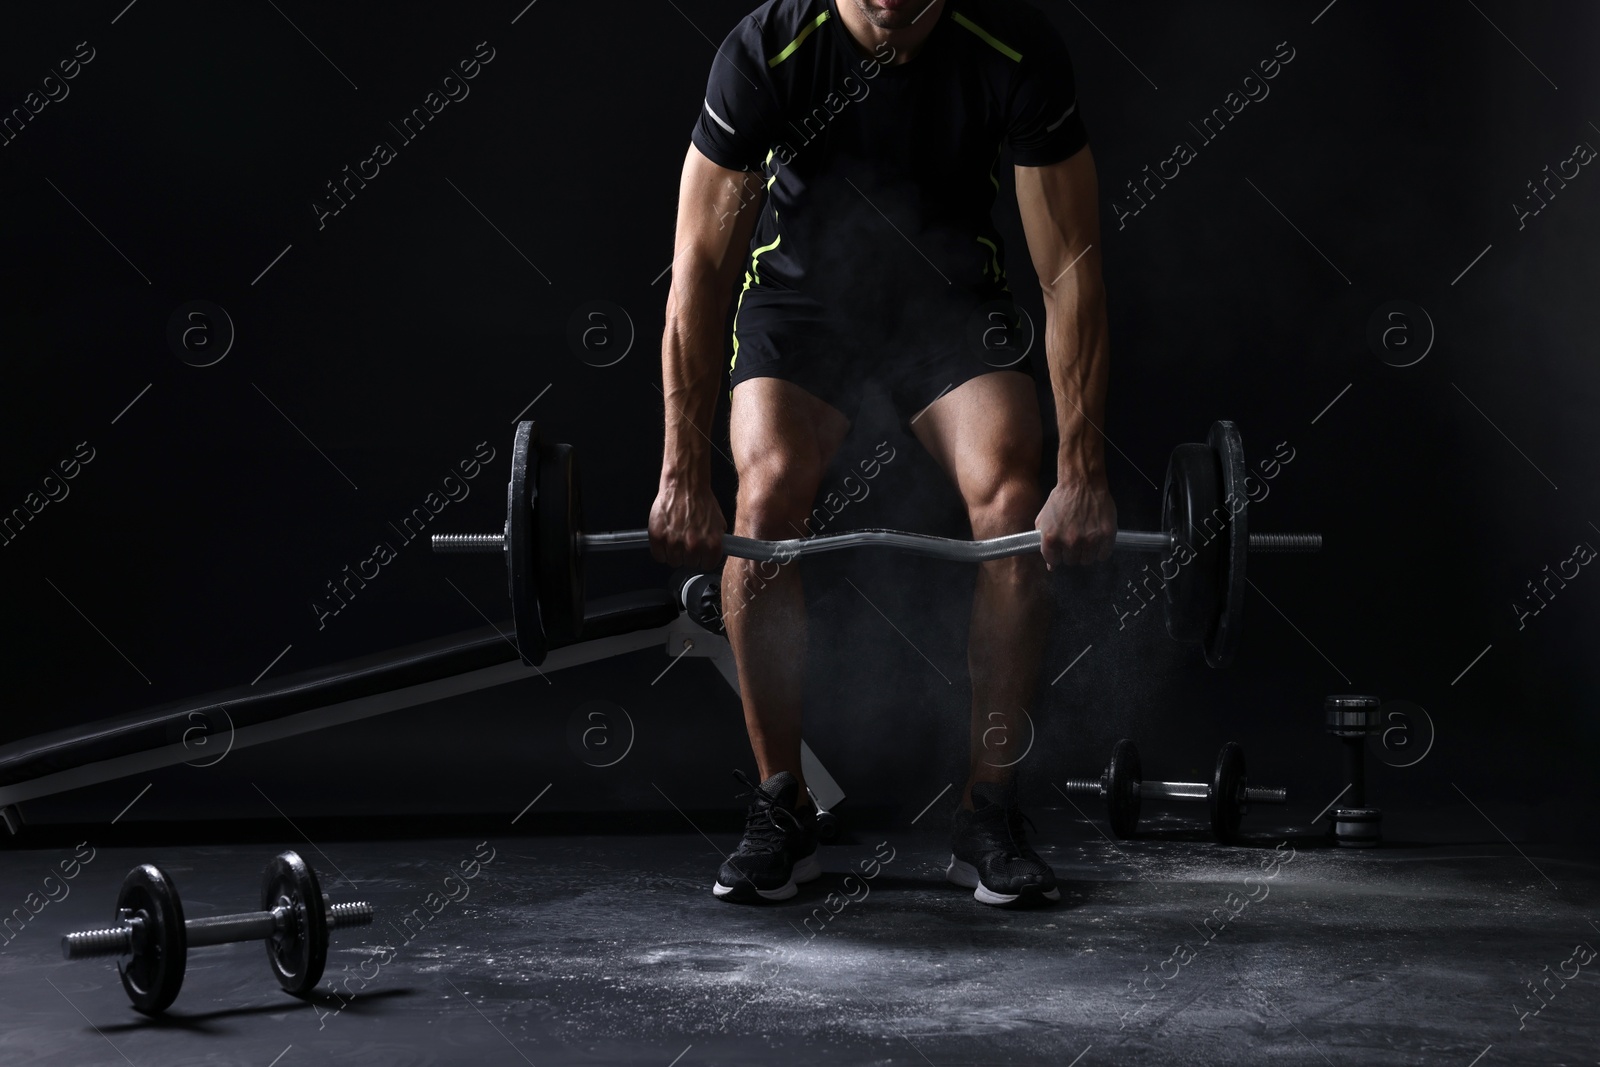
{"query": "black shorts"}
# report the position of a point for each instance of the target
(914, 352)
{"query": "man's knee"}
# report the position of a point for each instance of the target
(775, 498)
(1006, 505)
(1010, 505)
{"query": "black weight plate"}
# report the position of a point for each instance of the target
(1224, 640)
(1192, 513)
(560, 559)
(1123, 775)
(154, 974)
(700, 596)
(1353, 715)
(1227, 793)
(1357, 827)
(522, 543)
(299, 952)
(827, 827)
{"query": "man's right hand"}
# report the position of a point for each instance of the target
(686, 523)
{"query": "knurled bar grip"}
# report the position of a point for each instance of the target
(918, 544)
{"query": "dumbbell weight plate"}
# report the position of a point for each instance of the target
(1123, 775)
(1225, 441)
(154, 974)
(827, 827)
(700, 596)
(300, 952)
(1357, 827)
(1227, 793)
(522, 543)
(560, 519)
(1352, 715)
(1192, 511)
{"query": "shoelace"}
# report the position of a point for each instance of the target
(1011, 817)
(1014, 820)
(766, 822)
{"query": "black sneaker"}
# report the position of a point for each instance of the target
(779, 847)
(990, 853)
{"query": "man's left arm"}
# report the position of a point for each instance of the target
(1060, 209)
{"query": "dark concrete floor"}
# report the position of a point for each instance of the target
(611, 950)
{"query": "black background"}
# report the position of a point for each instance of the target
(411, 327)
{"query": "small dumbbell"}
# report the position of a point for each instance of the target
(1123, 787)
(294, 921)
(1352, 719)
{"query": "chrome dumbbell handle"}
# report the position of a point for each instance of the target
(212, 930)
(1178, 791)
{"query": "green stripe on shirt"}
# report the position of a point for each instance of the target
(798, 41)
(999, 46)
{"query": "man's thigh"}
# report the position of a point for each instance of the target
(987, 434)
(783, 438)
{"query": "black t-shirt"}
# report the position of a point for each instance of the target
(881, 178)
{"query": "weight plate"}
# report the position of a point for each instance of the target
(154, 974)
(1123, 775)
(522, 543)
(827, 827)
(560, 560)
(1227, 793)
(700, 596)
(1353, 715)
(1192, 513)
(299, 951)
(1357, 827)
(1224, 640)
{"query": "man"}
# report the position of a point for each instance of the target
(845, 155)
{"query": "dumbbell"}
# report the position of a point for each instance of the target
(1352, 719)
(1123, 787)
(294, 921)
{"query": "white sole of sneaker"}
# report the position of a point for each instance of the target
(965, 875)
(807, 870)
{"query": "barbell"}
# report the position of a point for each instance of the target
(1204, 540)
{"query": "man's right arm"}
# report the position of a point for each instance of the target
(717, 210)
